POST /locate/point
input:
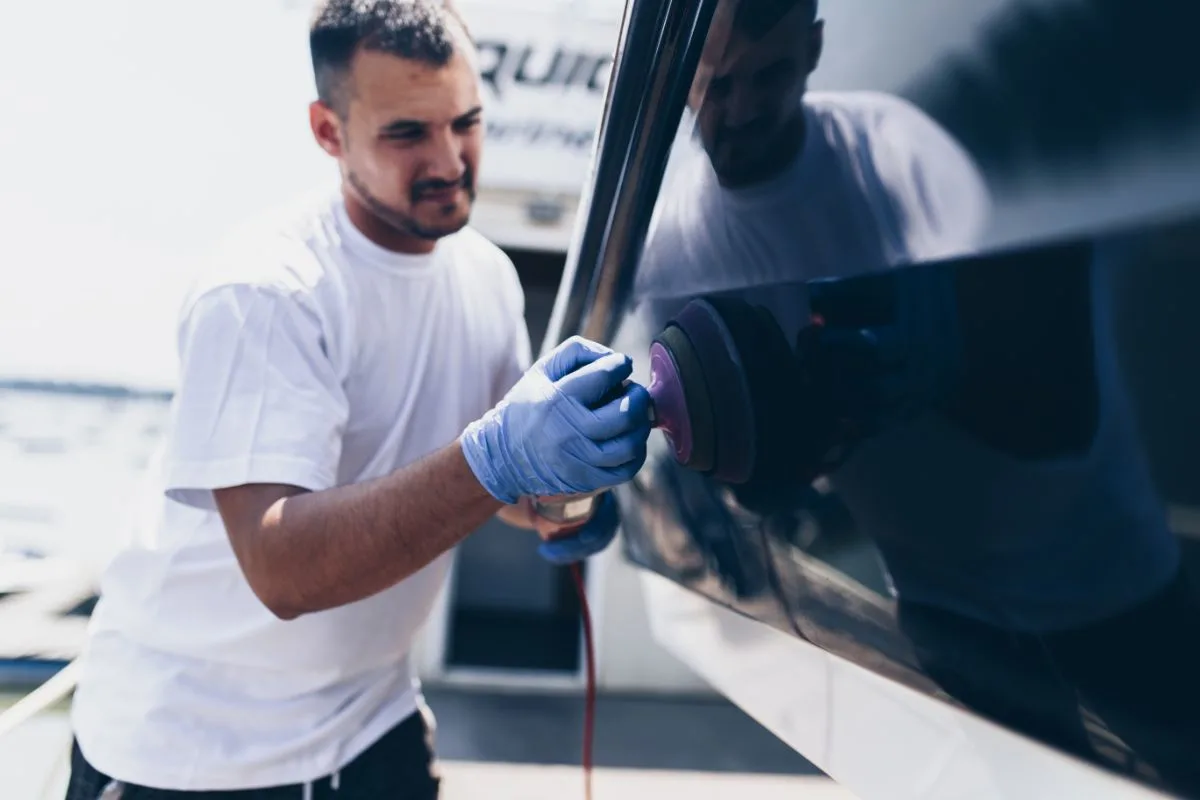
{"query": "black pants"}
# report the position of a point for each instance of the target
(1138, 672)
(400, 766)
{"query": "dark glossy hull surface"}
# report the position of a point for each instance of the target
(995, 202)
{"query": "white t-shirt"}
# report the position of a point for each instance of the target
(877, 184)
(309, 356)
(1030, 545)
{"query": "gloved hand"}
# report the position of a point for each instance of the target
(595, 535)
(567, 427)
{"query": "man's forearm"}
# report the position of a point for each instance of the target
(320, 550)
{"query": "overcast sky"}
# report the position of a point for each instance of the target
(133, 132)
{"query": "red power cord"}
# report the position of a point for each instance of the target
(589, 708)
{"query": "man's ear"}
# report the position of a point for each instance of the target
(326, 128)
(816, 44)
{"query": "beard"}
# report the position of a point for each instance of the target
(755, 152)
(407, 224)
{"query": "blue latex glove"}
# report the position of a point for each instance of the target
(596, 534)
(567, 427)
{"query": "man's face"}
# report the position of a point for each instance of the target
(410, 145)
(753, 96)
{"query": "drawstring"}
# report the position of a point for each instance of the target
(115, 790)
(335, 783)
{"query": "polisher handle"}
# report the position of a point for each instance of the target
(578, 508)
(566, 509)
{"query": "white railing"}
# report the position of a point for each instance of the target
(40, 700)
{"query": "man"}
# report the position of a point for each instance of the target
(338, 428)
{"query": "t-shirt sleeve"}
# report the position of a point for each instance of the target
(939, 197)
(258, 399)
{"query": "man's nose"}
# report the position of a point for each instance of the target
(444, 157)
(741, 108)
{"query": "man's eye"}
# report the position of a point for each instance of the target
(778, 73)
(403, 135)
(466, 124)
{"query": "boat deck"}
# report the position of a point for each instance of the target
(526, 747)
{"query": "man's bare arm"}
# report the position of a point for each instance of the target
(307, 551)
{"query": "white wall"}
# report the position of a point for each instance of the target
(503, 217)
(630, 659)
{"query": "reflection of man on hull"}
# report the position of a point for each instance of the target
(1023, 546)
(799, 184)
(770, 185)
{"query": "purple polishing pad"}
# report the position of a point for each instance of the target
(670, 405)
(728, 390)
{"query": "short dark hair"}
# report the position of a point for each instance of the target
(755, 18)
(419, 30)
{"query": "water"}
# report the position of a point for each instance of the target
(70, 467)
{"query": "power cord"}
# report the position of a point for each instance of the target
(589, 707)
